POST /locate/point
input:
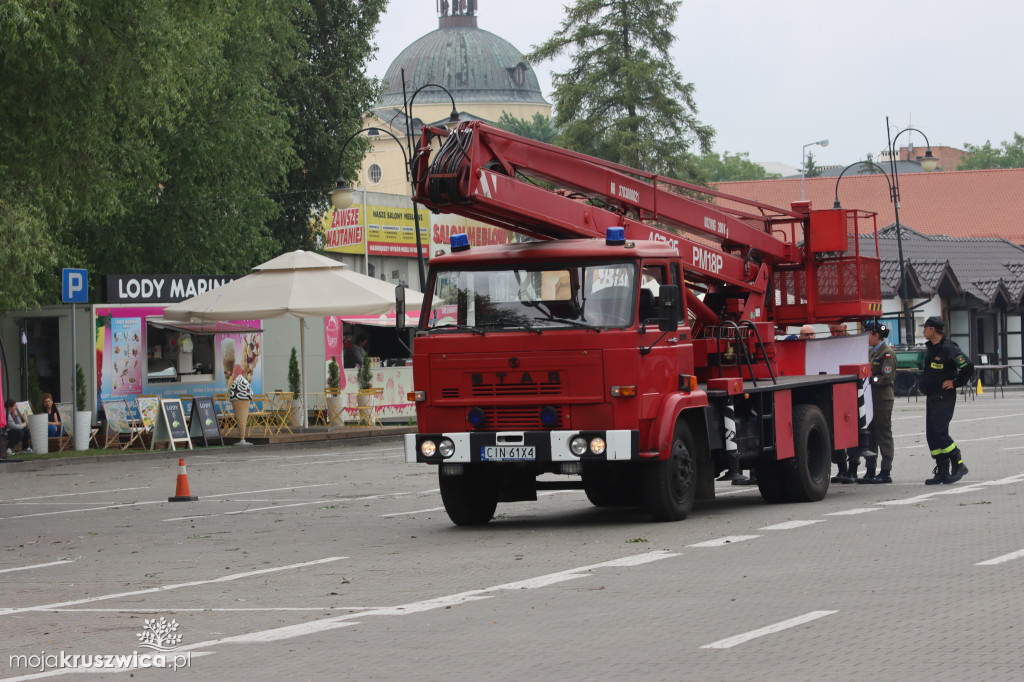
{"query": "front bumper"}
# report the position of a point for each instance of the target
(548, 446)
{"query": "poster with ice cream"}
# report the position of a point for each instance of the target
(241, 354)
(126, 356)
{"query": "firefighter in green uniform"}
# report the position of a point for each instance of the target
(946, 369)
(883, 373)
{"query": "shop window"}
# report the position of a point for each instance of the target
(171, 354)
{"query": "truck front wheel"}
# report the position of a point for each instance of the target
(469, 498)
(670, 485)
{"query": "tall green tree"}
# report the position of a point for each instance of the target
(623, 99)
(327, 94)
(539, 128)
(725, 167)
(811, 169)
(162, 137)
(1011, 155)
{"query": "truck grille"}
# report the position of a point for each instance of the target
(493, 390)
(517, 417)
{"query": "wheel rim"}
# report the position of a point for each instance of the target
(682, 471)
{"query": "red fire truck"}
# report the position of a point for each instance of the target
(627, 345)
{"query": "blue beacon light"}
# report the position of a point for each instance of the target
(460, 242)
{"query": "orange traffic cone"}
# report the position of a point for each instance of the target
(181, 492)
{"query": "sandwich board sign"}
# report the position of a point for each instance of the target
(171, 425)
(203, 423)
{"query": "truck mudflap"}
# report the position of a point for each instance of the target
(521, 446)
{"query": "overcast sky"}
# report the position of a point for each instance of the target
(773, 75)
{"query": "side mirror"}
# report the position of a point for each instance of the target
(669, 307)
(400, 308)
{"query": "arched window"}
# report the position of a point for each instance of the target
(375, 173)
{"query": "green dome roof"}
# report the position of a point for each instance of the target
(473, 64)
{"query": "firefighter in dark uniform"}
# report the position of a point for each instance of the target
(883, 374)
(946, 368)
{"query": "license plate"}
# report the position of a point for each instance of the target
(508, 453)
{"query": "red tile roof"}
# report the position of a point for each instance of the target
(984, 203)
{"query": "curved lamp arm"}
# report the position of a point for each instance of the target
(453, 118)
(928, 164)
(341, 195)
(858, 163)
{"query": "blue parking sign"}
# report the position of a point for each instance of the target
(75, 285)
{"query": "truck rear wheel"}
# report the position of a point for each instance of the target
(807, 475)
(470, 498)
(670, 485)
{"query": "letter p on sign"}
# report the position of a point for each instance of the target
(75, 285)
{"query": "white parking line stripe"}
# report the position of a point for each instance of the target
(767, 630)
(282, 506)
(851, 512)
(323, 625)
(290, 631)
(330, 461)
(164, 588)
(418, 511)
(25, 568)
(73, 511)
(787, 525)
(720, 493)
(727, 540)
(272, 490)
(92, 492)
(196, 610)
(1000, 559)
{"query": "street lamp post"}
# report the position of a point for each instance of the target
(342, 194)
(929, 163)
(803, 162)
(453, 119)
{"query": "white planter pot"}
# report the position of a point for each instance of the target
(83, 426)
(38, 427)
(295, 413)
(334, 405)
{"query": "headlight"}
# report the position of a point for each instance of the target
(597, 445)
(446, 448)
(578, 446)
(428, 448)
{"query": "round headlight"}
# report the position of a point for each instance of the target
(446, 448)
(578, 446)
(428, 448)
(597, 445)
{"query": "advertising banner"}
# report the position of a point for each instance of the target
(390, 231)
(344, 231)
(444, 225)
(128, 360)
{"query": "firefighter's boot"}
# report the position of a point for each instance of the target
(851, 473)
(841, 475)
(869, 470)
(957, 471)
(941, 472)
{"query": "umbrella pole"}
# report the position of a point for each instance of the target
(302, 344)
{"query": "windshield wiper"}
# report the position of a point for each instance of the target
(465, 328)
(574, 323)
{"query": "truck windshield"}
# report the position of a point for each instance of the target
(531, 298)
